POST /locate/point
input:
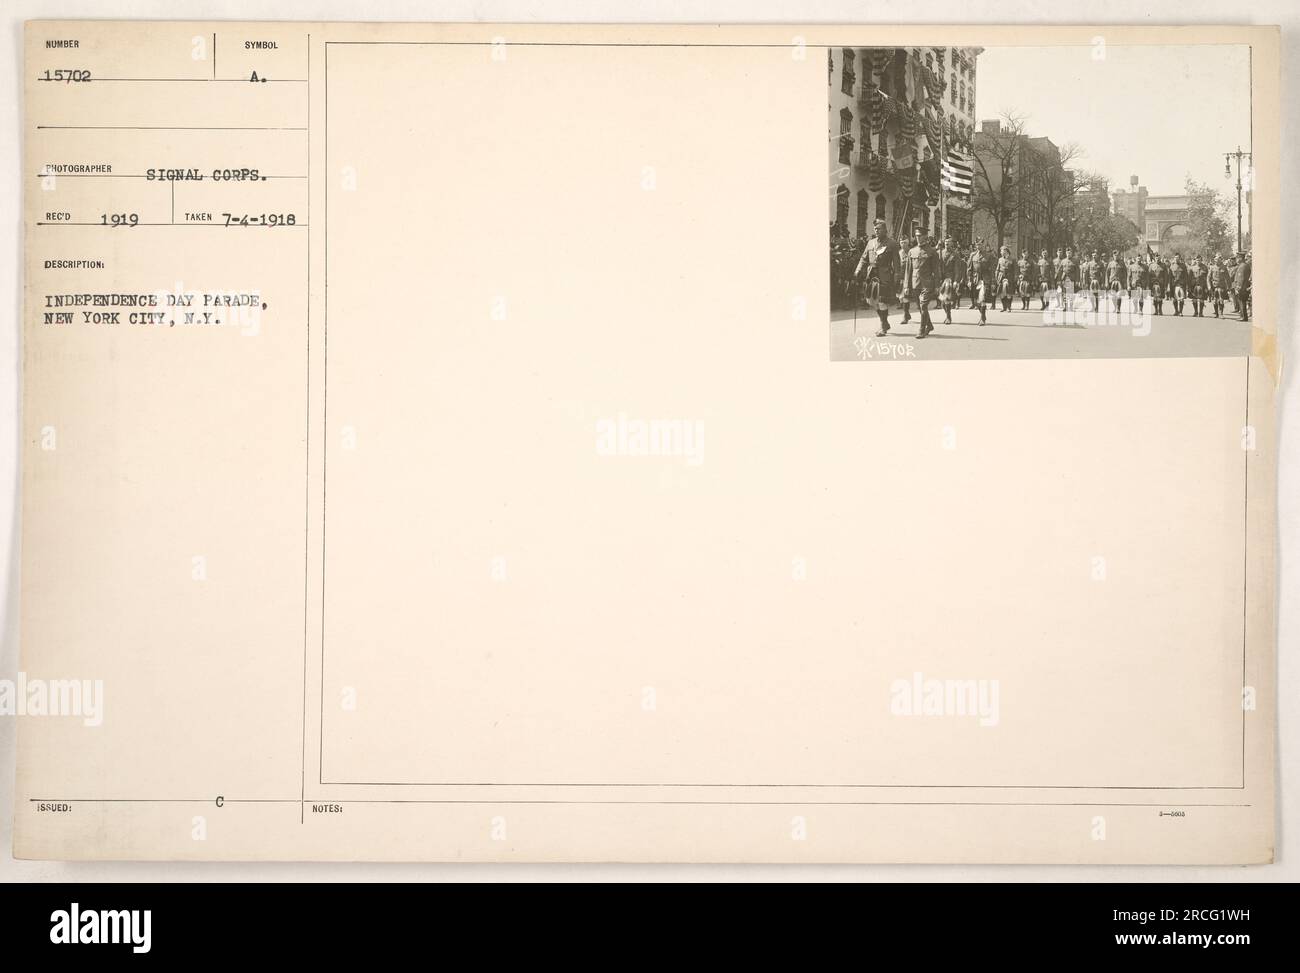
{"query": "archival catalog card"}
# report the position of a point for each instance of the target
(555, 443)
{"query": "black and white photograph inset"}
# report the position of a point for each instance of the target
(1088, 201)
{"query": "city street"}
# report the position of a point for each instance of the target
(1039, 184)
(1026, 334)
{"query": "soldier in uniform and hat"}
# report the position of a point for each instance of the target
(880, 263)
(1241, 286)
(1218, 283)
(921, 276)
(979, 271)
(904, 248)
(1231, 264)
(1138, 278)
(974, 256)
(1067, 279)
(1116, 279)
(1198, 273)
(1046, 278)
(951, 272)
(1179, 280)
(1094, 273)
(1159, 275)
(1026, 278)
(969, 283)
(1004, 278)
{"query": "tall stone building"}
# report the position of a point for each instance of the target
(891, 112)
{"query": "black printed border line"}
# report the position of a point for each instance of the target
(302, 800)
(325, 491)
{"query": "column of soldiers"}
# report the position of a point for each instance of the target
(923, 274)
(1152, 276)
(913, 277)
(1214, 282)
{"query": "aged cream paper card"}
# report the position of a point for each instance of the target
(433, 451)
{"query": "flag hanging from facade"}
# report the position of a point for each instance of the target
(958, 173)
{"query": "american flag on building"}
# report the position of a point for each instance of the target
(957, 173)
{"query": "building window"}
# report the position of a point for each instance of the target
(952, 90)
(846, 136)
(880, 207)
(864, 201)
(848, 76)
(830, 66)
(842, 209)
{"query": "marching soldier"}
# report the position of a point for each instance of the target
(921, 276)
(1026, 278)
(1094, 272)
(979, 271)
(904, 248)
(1219, 281)
(1138, 277)
(1116, 279)
(972, 284)
(1196, 273)
(972, 280)
(1159, 275)
(951, 272)
(880, 263)
(1068, 275)
(1005, 278)
(1085, 259)
(1046, 278)
(1179, 280)
(1241, 286)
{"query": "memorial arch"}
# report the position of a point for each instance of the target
(1166, 222)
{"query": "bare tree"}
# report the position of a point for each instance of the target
(1059, 186)
(996, 186)
(1083, 208)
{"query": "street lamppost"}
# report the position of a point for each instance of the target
(1227, 171)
